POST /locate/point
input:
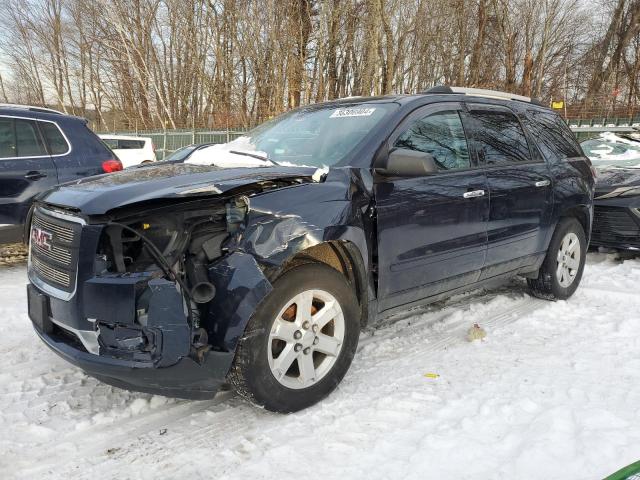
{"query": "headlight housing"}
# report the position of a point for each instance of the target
(125, 251)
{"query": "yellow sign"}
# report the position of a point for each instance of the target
(559, 105)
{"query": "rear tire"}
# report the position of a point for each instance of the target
(561, 271)
(293, 356)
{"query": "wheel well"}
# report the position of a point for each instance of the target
(582, 215)
(343, 257)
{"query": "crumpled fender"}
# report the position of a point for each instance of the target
(278, 225)
(241, 286)
(284, 222)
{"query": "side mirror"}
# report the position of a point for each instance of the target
(403, 162)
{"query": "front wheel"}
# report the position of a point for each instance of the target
(300, 341)
(561, 271)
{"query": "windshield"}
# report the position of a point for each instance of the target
(311, 136)
(181, 153)
(612, 152)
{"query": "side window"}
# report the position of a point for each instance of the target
(28, 141)
(112, 143)
(441, 134)
(500, 137)
(7, 138)
(57, 143)
(130, 144)
(552, 135)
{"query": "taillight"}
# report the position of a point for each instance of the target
(110, 166)
(594, 171)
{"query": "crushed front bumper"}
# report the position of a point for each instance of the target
(185, 379)
(172, 374)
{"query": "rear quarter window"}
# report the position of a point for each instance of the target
(57, 143)
(92, 145)
(552, 135)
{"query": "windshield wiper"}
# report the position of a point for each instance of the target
(254, 155)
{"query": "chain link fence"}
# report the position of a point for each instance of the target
(168, 141)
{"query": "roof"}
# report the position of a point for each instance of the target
(122, 137)
(36, 113)
(481, 92)
(30, 108)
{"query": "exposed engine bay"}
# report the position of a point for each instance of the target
(162, 253)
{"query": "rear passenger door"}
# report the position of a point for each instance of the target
(520, 189)
(26, 168)
(431, 229)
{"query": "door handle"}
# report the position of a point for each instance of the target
(543, 183)
(474, 194)
(34, 175)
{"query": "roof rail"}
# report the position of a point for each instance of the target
(481, 92)
(30, 108)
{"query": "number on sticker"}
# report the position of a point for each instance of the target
(352, 112)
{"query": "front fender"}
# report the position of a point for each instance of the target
(278, 225)
(241, 286)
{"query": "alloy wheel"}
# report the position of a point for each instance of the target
(306, 338)
(568, 260)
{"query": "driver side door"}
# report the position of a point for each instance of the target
(431, 229)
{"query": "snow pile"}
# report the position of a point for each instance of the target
(221, 155)
(551, 392)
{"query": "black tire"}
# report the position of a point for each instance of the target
(547, 285)
(251, 375)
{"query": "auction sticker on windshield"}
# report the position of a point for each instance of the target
(352, 112)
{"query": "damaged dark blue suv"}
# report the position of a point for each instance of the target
(175, 279)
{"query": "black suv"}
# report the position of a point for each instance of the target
(177, 278)
(40, 148)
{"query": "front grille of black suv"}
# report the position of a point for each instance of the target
(615, 225)
(53, 249)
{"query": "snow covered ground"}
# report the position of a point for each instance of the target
(553, 392)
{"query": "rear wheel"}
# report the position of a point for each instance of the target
(300, 341)
(561, 271)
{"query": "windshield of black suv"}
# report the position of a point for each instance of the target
(611, 151)
(316, 136)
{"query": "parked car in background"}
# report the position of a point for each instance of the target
(131, 150)
(40, 148)
(184, 153)
(616, 221)
(611, 149)
(178, 278)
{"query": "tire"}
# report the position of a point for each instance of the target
(277, 332)
(555, 282)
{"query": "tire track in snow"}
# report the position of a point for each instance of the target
(95, 441)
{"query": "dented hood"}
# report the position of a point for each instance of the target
(611, 179)
(100, 194)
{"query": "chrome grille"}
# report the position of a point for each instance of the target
(62, 233)
(59, 254)
(53, 250)
(51, 274)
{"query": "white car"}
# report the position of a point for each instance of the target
(131, 150)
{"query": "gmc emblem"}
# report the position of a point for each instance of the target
(41, 237)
